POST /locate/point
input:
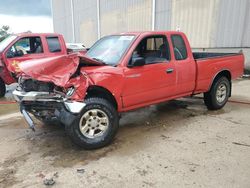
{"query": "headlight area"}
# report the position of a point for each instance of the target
(48, 102)
(46, 106)
(70, 91)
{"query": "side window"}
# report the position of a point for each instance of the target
(153, 49)
(54, 44)
(180, 50)
(27, 45)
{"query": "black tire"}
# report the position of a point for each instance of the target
(210, 98)
(107, 136)
(2, 88)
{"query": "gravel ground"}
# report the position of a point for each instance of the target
(176, 144)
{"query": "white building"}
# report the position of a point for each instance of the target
(211, 25)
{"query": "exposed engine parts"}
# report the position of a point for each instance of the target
(34, 85)
(45, 101)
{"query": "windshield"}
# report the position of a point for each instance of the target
(110, 49)
(6, 42)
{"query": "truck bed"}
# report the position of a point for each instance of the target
(206, 55)
(210, 64)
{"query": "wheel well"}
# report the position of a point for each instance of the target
(97, 91)
(226, 74)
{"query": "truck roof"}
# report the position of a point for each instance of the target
(28, 34)
(150, 32)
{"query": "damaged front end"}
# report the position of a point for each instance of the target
(52, 90)
(46, 105)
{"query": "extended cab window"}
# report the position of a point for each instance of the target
(53, 44)
(180, 50)
(27, 45)
(153, 49)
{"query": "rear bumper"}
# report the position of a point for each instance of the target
(72, 106)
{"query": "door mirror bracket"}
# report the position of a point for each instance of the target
(136, 62)
(10, 54)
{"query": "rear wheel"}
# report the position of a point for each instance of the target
(218, 95)
(2, 88)
(96, 125)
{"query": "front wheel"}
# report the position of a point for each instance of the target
(95, 126)
(2, 88)
(218, 95)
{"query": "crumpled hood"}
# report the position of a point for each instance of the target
(57, 69)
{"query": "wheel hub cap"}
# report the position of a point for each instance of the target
(94, 123)
(221, 93)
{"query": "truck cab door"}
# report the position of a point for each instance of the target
(153, 81)
(184, 64)
(24, 49)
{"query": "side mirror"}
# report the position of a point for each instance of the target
(19, 53)
(10, 54)
(70, 50)
(137, 61)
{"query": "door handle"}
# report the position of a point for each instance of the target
(168, 71)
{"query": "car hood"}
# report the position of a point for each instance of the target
(57, 69)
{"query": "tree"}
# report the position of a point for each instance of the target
(4, 32)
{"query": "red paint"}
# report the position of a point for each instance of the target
(138, 86)
(7, 102)
(56, 69)
(9, 72)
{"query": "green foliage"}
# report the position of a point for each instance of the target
(4, 32)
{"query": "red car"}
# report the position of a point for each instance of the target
(26, 46)
(120, 73)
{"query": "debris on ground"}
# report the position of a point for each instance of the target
(55, 174)
(49, 181)
(241, 144)
(192, 169)
(164, 137)
(80, 170)
(203, 142)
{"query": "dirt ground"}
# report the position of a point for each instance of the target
(176, 144)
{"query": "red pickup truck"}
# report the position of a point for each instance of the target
(26, 46)
(119, 73)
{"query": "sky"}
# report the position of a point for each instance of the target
(26, 15)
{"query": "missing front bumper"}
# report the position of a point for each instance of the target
(65, 111)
